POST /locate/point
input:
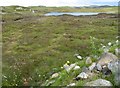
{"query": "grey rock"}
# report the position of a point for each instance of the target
(88, 60)
(91, 67)
(99, 82)
(105, 70)
(99, 67)
(82, 75)
(117, 51)
(115, 69)
(85, 69)
(68, 68)
(107, 58)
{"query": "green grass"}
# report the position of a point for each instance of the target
(35, 44)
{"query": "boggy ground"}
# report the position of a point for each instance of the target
(33, 45)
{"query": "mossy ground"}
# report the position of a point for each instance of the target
(35, 45)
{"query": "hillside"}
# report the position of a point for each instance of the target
(36, 46)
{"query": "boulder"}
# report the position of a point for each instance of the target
(88, 60)
(115, 69)
(99, 82)
(105, 59)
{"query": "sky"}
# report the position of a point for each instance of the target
(58, 2)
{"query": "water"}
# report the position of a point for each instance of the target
(70, 13)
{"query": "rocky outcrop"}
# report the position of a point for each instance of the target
(105, 59)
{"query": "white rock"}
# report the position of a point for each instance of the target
(76, 68)
(79, 57)
(68, 68)
(99, 67)
(71, 84)
(99, 82)
(55, 75)
(92, 66)
(83, 75)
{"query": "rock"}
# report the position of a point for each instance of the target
(76, 68)
(99, 82)
(85, 69)
(92, 66)
(82, 75)
(106, 58)
(117, 51)
(55, 75)
(78, 56)
(88, 60)
(105, 70)
(114, 66)
(69, 67)
(99, 67)
(115, 69)
(66, 67)
(71, 84)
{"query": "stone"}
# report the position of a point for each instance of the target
(91, 67)
(85, 69)
(106, 58)
(88, 60)
(99, 82)
(115, 69)
(117, 51)
(105, 70)
(99, 67)
(71, 84)
(69, 67)
(76, 68)
(82, 75)
(78, 56)
(114, 66)
(55, 75)
(66, 67)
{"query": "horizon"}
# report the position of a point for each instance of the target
(58, 3)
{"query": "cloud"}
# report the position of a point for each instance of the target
(53, 2)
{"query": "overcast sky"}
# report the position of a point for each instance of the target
(57, 2)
